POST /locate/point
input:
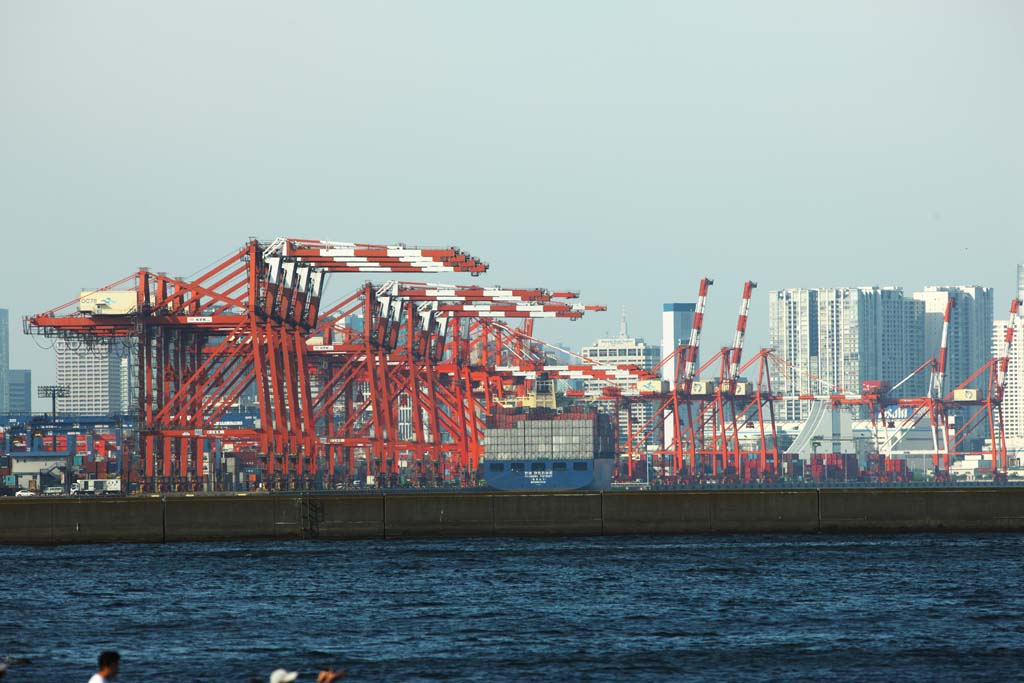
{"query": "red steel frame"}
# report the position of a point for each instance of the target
(331, 394)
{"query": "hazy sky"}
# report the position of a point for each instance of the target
(624, 149)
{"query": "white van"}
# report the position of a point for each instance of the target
(97, 487)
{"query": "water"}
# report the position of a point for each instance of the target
(730, 608)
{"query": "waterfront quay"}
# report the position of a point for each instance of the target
(181, 518)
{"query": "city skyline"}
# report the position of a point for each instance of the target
(381, 314)
(717, 333)
(660, 144)
(845, 336)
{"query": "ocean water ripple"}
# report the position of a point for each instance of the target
(705, 608)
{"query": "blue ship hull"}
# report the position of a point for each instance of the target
(539, 474)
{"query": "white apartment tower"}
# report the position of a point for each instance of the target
(970, 329)
(93, 374)
(844, 336)
(1013, 399)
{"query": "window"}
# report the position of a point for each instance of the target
(517, 467)
(558, 467)
(579, 467)
(497, 467)
(537, 467)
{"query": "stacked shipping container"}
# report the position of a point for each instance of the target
(834, 467)
(548, 435)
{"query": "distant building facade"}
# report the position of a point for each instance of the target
(970, 330)
(844, 336)
(1013, 398)
(676, 323)
(5, 359)
(19, 392)
(94, 376)
(625, 350)
(620, 351)
(128, 370)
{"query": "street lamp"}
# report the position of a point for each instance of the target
(53, 392)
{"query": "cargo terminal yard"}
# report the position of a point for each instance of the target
(538, 342)
(247, 381)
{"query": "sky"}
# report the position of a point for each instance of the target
(622, 149)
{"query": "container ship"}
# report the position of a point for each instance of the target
(548, 449)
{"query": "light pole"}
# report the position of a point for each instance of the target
(53, 392)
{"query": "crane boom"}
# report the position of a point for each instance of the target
(939, 376)
(698, 323)
(1003, 363)
(736, 353)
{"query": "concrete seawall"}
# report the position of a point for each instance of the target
(159, 519)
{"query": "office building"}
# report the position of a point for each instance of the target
(676, 323)
(94, 375)
(624, 350)
(837, 338)
(620, 351)
(19, 392)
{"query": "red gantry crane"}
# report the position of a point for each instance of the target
(399, 376)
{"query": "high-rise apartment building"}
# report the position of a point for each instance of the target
(5, 359)
(19, 392)
(1013, 399)
(844, 336)
(93, 374)
(970, 329)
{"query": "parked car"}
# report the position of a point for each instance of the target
(24, 493)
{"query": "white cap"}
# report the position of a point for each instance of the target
(282, 676)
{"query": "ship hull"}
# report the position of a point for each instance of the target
(549, 474)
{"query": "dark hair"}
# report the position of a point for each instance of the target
(108, 658)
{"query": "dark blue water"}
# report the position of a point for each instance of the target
(734, 608)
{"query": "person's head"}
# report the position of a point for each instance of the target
(283, 676)
(109, 662)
